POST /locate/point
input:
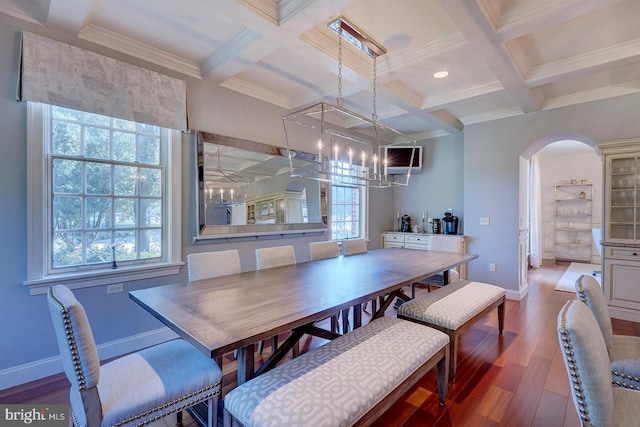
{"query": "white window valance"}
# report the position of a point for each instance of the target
(57, 73)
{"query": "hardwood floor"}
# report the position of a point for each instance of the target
(517, 379)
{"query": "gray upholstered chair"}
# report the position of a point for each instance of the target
(324, 250)
(135, 389)
(597, 401)
(624, 350)
(441, 243)
(205, 265)
(272, 257)
(354, 246)
(275, 257)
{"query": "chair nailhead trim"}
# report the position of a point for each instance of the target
(73, 348)
(575, 377)
(211, 390)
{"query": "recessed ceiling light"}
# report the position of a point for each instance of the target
(440, 74)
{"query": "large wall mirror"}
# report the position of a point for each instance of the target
(245, 189)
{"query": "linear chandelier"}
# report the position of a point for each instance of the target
(351, 149)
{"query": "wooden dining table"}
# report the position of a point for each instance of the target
(228, 313)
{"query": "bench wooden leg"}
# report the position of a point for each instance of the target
(501, 317)
(443, 376)
(453, 354)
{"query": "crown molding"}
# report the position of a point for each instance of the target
(402, 91)
(258, 92)
(487, 116)
(276, 11)
(525, 12)
(552, 71)
(438, 101)
(420, 136)
(126, 45)
(592, 95)
(34, 11)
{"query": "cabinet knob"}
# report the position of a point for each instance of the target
(635, 254)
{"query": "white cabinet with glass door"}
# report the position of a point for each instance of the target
(621, 227)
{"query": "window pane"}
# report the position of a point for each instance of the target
(98, 212)
(66, 176)
(96, 142)
(67, 249)
(66, 138)
(66, 113)
(149, 149)
(125, 213)
(148, 129)
(126, 248)
(150, 182)
(99, 247)
(98, 178)
(124, 147)
(150, 212)
(67, 213)
(150, 243)
(96, 119)
(125, 180)
(124, 124)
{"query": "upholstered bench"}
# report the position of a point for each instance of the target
(351, 380)
(454, 308)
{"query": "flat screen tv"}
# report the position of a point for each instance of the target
(399, 157)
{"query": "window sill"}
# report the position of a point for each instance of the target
(102, 277)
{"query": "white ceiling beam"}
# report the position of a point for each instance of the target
(69, 14)
(471, 21)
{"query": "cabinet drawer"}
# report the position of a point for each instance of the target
(391, 244)
(392, 237)
(622, 253)
(417, 238)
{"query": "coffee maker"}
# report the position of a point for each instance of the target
(406, 224)
(450, 222)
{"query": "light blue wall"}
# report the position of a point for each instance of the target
(491, 166)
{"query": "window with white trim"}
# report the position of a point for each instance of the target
(103, 193)
(347, 208)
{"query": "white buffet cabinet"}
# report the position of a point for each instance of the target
(453, 243)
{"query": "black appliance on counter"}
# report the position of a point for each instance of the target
(406, 224)
(450, 222)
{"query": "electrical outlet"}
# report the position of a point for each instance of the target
(115, 288)
(484, 220)
(492, 266)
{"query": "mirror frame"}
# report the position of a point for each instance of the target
(209, 232)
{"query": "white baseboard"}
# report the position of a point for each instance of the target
(43, 368)
(519, 294)
(624, 314)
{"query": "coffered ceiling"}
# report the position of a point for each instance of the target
(504, 57)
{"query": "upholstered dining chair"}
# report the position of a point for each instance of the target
(624, 350)
(324, 250)
(135, 389)
(205, 265)
(275, 256)
(354, 246)
(440, 243)
(597, 401)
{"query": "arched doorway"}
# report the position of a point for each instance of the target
(557, 157)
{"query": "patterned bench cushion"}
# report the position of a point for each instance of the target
(452, 305)
(339, 382)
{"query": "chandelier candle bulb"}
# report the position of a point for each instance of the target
(350, 158)
(385, 167)
(231, 195)
(320, 152)
(375, 165)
